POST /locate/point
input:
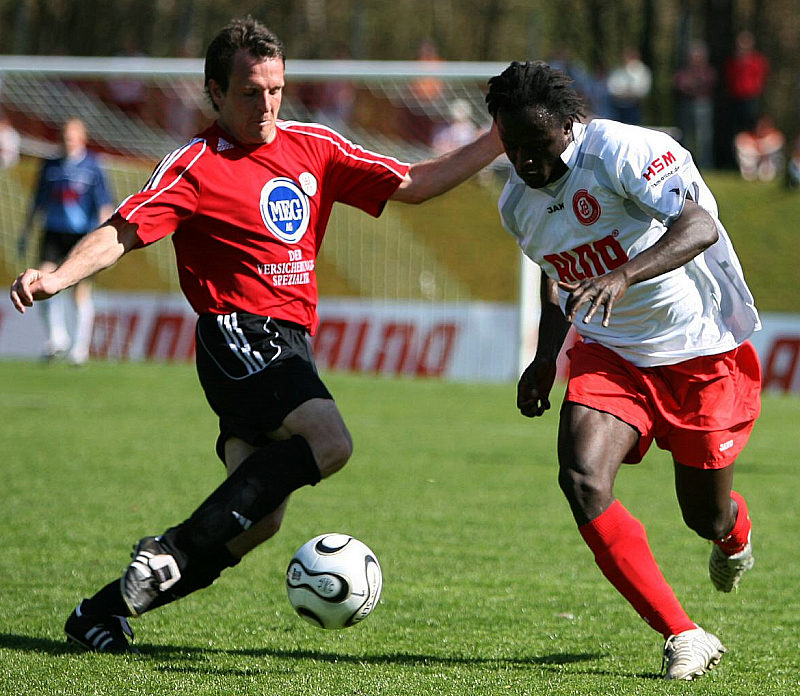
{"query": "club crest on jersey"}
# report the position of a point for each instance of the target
(585, 207)
(284, 209)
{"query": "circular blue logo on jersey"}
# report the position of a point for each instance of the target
(285, 209)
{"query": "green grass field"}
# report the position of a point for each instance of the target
(487, 586)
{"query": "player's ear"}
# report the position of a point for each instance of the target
(215, 91)
(568, 125)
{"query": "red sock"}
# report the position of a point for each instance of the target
(620, 548)
(740, 534)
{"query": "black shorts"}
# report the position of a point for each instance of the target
(254, 371)
(56, 245)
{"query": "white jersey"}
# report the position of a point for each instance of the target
(624, 186)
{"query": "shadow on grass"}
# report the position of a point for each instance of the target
(177, 659)
(13, 641)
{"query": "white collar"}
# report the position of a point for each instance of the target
(570, 153)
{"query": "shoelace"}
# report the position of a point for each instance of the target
(669, 645)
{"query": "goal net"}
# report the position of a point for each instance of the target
(422, 278)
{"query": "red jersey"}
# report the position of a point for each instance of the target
(247, 221)
(747, 75)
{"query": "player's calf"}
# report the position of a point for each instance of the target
(257, 487)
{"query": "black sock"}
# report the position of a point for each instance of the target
(198, 573)
(107, 602)
(255, 489)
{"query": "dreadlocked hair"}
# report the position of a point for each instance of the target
(534, 84)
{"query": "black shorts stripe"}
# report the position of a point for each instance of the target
(239, 345)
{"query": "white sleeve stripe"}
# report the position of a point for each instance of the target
(159, 170)
(379, 159)
(166, 188)
(165, 164)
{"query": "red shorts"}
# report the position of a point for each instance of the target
(701, 410)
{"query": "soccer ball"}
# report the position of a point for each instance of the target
(334, 581)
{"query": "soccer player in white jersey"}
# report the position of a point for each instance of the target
(246, 202)
(635, 258)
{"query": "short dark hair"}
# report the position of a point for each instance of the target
(246, 33)
(534, 83)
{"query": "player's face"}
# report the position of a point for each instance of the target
(534, 142)
(249, 108)
(73, 136)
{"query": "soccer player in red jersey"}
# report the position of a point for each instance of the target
(634, 256)
(246, 202)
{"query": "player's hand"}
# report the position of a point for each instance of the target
(31, 285)
(533, 388)
(602, 291)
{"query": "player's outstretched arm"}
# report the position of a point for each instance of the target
(431, 178)
(96, 251)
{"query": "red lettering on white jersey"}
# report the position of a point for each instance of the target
(588, 260)
(658, 165)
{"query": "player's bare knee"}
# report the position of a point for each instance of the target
(586, 493)
(333, 454)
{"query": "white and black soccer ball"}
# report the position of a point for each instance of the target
(334, 581)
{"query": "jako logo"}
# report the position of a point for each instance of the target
(285, 209)
(726, 445)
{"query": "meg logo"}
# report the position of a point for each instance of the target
(585, 207)
(284, 209)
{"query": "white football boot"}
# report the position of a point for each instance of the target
(691, 654)
(726, 571)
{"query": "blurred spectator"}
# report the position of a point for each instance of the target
(592, 86)
(459, 131)
(420, 115)
(72, 196)
(793, 166)
(427, 89)
(179, 113)
(564, 61)
(129, 93)
(9, 143)
(336, 100)
(694, 85)
(598, 98)
(746, 73)
(759, 152)
(628, 85)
